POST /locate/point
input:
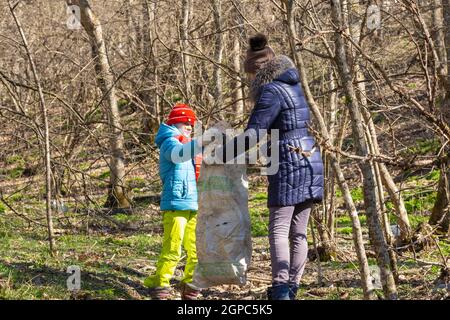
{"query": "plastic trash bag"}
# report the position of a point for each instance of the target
(223, 233)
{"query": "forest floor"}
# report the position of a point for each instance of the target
(116, 251)
(121, 249)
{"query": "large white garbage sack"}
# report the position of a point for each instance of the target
(224, 244)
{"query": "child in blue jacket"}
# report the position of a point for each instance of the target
(179, 165)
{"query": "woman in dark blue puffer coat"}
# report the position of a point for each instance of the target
(298, 184)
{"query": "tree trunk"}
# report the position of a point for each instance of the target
(131, 24)
(382, 173)
(441, 209)
(366, 282)
(331, 186)
(218, 53)
(45, 135)
(371, 200)
(237, 86)
(151, 122)
(117, 195)
(446, 82)
(439, 38)
(186, 9)
(372, 140)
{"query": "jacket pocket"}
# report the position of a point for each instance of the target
(180, 189)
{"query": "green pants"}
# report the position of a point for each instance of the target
(179, 229)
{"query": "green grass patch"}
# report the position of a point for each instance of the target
(15, 159)
(424, 146)
(106, 294)
(104, 175)
(126, 218)
(346, 221)
(259, 220)
(16, 197)
(27, 271)
(433, 175)
(139, 242)
(259, 228)
(357, 194)
(84, 166)
(136, 183)
(338, 265)
(445, 247)
(419, 201)
(416, 219)
(421, 180)
(16, 172)
(259, 197)
(122, 104)
(344, 230)
(259, 214)
(18, 164)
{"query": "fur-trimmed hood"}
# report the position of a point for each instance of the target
(280, 68)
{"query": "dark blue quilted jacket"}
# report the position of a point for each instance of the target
(281, 104)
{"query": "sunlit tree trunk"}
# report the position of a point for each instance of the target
(117, 195)
(238, 86)
(351, 208)
(150, 74)
(371, 199)
(440, 214)
(186, 11)
(218, 52)
(45, 134)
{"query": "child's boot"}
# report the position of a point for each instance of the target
(160, 293)
(189, 292)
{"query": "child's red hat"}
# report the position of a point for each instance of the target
(181, 113)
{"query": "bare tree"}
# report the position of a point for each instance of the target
(371, 200)
(356, 225)
(238, 96)
(441, 211)
(186, 13)
(45, 135)
(218, 52)
(382, 173)
(150, 75)
(439, 37)
(117, 195)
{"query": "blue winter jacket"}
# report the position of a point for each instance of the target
(177, 170)
(280, 104)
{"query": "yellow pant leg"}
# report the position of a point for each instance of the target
(189, 244)
(174, 223)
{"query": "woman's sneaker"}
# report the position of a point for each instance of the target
(293, 288)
